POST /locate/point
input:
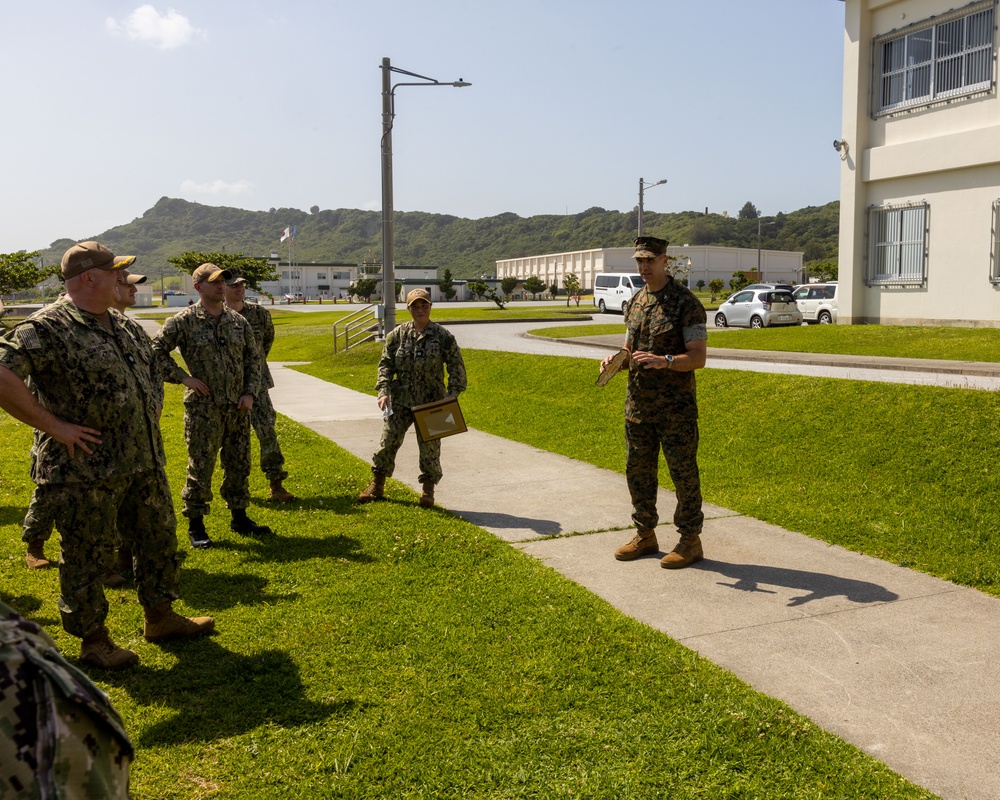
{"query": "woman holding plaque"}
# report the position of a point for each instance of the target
(411, 373)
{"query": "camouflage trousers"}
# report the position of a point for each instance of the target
(40, 517)
(393, 432)
(62, 737)
(209, 428)
(679, 442)
(263, 419)
(86, 517)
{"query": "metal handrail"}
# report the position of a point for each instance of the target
(364, 320)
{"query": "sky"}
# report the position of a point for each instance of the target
(252, 104)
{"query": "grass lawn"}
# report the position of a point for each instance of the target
(389, 651)
(897, 341)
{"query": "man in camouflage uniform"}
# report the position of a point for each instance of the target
(262, 415)
(100, 450)
(61, 735)
(666, 340)
(219, 350)
(411, 373)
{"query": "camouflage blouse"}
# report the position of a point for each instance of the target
(220, 351)
(662, 323)
(263, 333)
(91, 376)
(411, 370)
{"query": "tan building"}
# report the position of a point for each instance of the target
(707, 263)
(920, 178)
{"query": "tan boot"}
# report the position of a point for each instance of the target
(279, 494)
(427, 497)
(687, 551)
(35, 557)
(375, 490)
(163, 623)
(643, 544)
(98, 650)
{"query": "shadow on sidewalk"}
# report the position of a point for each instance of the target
(817, 585)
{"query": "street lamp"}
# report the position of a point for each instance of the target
(643, 185)
(388, 244)
(760, 273)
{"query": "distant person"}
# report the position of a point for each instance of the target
(666, 338)
(61, 735)
(100, 449)
(411, 373)
(262, 416)
(218, 347)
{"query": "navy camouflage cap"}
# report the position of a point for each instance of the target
(91, 255)
(650, 247)
(209, 273)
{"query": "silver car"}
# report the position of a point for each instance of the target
(758, 308)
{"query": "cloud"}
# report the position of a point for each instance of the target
(146, 24)
(217, 187)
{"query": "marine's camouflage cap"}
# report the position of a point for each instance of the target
(417, 294)
(91, 255)
(649, 247)
(210, 273)
(235, 277)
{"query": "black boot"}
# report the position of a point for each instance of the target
(243, 525)
(196, 533)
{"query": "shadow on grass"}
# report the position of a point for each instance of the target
(817, 585)
(218, 693)
(23, 604)
(217, 591)
(283, 549)
(338, 504)
(12, 515)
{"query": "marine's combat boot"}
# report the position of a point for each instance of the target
(35, 558)
(243, 525)
(686, 552)
(643, 544)
(98, 650)
(279, 493)
(197, 534)
(375, 490)
(427, 497)
(163, 623)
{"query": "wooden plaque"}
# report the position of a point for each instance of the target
(439, 419)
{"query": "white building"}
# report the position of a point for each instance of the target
(332, 280)
(707, 262)
(920, 178)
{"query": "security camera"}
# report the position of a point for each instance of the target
(839, 145)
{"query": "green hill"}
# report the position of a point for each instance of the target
(469, 247)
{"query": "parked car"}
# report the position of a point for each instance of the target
(817, 302)
(614, 289)
(758, 308)
(786, 286)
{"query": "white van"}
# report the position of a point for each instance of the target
(817, 302)
(613, 290)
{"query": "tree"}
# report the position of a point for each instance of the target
(553, 290)
(715, 286)
(739, 281)
(507, 285)
(255, 270)
(313, 209)
(447, 285)
(19, 272)
(679, 267)
(749, 211)
(534, 285)
(700, 285)
(365, 288)
(824, 270)
(478, 289)
(572, 285)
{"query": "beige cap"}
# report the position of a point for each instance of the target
(210, 273)
(91, 255)
(417, 294)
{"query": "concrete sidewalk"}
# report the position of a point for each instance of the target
(905, 666)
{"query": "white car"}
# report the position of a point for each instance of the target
(758, 308)
(817, 302)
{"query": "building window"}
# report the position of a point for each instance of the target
(897, 245)
(995, 245)
(321, 276)
(946, 57)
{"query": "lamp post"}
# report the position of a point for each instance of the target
(643, 185)
(388, 243)
(760, 273)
